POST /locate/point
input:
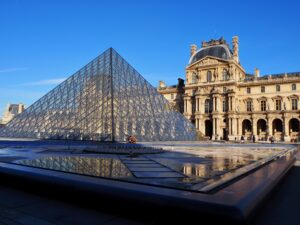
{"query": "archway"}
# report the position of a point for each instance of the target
(246, 126)
(294, 128)
(278, 129)
(262, 129)
(208, 128)
(277, 125)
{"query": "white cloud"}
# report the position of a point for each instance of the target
(8, 70)
(44, 82)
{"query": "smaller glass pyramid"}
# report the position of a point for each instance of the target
(106, 100)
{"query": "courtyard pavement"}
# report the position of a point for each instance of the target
(27, 207)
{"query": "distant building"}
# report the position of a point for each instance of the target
(224, 102)
(11, 111)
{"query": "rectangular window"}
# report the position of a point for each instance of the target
(224, 89)
(248, 90)
(277, 88)
(294, 104)
(172, 96)
(278, 104)
(263, 105)
(249, 106)
(294, 87)
(206, 110)
(193, 107)
(262, 89)
(224, 106)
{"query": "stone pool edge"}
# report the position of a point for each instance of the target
(233, 202)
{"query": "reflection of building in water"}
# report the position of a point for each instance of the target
(11, 111)
(198, 170)
(218, 164)
(101, 167)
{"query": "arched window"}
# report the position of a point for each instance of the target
(208, 76)
(225, 74)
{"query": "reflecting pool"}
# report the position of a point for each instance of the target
(100, 167)
(194, 168)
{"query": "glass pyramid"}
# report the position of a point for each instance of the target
(106, 100)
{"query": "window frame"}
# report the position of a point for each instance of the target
(263, 105)
(249, 106)
(294, 106)
(209, 76)
(248, 90)
(278, 88)
(278, 104)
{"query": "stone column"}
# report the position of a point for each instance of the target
(254, 127)
(201, 124)
(233, 103)
(287, 137)
(216, 129)
(214, 126)
(189, 106)
(240, 132)
(229, 126)
(234, 126)
(270, 127)
(202, 105)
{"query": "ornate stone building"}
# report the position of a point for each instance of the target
(10, 112)
(224, 102)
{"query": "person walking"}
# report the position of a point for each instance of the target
(242, 139)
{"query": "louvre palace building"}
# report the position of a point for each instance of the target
(225, 103)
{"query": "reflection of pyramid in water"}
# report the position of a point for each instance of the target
(106, 100)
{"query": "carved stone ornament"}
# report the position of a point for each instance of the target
(207, 62)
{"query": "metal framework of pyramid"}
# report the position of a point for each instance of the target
(106, 100)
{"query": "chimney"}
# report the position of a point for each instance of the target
(193, 49)
(235, 48)
(256, 73)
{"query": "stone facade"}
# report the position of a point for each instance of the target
(224, 102)
(10, 112)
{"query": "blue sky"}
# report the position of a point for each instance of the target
(43, 42)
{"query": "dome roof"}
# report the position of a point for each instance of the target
(218, 51)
